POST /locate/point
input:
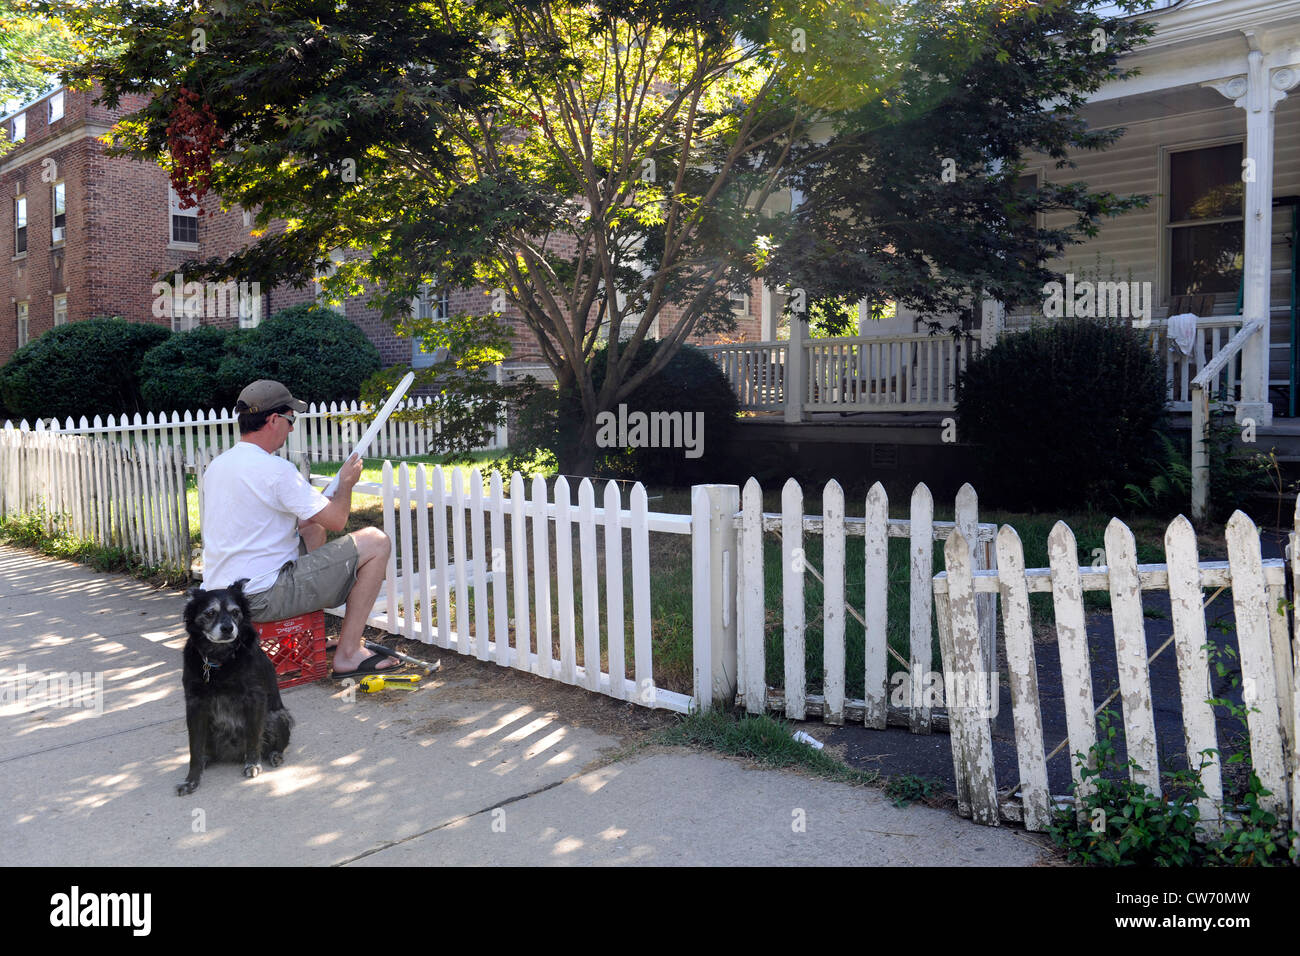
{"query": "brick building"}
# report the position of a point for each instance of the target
(91, 235)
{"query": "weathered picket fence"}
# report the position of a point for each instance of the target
(875, 528)
(123, 495)
(322, 433)
(1268, 665)
(458, 580)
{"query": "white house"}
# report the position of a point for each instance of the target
(1213, 137)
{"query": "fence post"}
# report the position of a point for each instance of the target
(1200, 451)
(714, 577)
(796, 370)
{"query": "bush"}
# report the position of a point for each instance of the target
(183, 372)
(316, 353)
(1064, 415)
(82, 368)
(690, 383)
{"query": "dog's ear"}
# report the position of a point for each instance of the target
(238, 586)
(194, 592)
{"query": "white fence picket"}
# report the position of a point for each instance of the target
(792, 597)
(1022, 668)
(1188, 616)
(461, 559)
(482, 562)
(833, 602)
(440, 574)
(640, 537)
(1072, 639)
(1131, 654)
(590, 602)
(542, 577)
(1254, 644)
(750, 634)
(614, 592)
(519, 554)
(422, 549)
(406, 550)
(564, 580)
(500, 574)
(922, 563)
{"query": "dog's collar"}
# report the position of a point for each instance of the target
(207, 668)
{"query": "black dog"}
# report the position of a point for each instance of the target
(232, 701)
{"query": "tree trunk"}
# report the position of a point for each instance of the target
(582, 459)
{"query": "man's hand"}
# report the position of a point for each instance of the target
(349, 474)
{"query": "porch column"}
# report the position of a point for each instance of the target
(993, 317)
(796, 363)
(1258, 92)
(768, 316)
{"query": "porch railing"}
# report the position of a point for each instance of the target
(915, 372)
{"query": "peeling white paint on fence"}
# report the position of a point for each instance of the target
(1268, 674)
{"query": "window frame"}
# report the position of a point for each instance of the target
(56, 97)
(18, 119)
(1166, 250)
(64, 310)
(22, 319)
(21, 231)
(58, 233)
(175, 211)
(419, 304)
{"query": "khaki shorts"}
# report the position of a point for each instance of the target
(318, 579)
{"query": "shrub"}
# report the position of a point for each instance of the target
(1064, 415)
(316, 353)
(690, 383)
(183, 372)
(82, 368)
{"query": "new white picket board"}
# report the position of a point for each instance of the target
(500, 573)
(590, 584)
(833, 602)
(752, 662)
(482, 562)
(519, 553)
(921, 599)
(792, 597)
(614, 592)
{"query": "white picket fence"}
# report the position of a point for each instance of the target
(116, 494)
(322, 433)
(469, 589)
(875, 528)
(1263, 636)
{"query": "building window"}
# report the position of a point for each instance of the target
(59, 206)
(250, 309)
(433, 306)
(1205, 220)
(18, 128)
(185, 222)
(20, 226)
(60, 310)
(56, 106)
(739, 300)
(22, 324)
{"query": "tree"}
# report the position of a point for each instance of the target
(557, 153)
(33, 47)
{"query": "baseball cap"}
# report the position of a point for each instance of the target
(264, 395)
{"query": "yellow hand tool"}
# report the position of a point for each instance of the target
(373, 683)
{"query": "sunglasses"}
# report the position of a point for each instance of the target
(287, 416)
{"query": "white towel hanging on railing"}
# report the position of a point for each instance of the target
(1182, 332)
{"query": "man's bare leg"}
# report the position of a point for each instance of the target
(372, 551)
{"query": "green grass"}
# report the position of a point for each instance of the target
(766, 740)
(39, 532)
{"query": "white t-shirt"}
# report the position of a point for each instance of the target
(252, 501)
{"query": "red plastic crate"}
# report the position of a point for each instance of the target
(296, 646)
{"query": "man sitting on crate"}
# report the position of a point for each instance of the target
(264, 522)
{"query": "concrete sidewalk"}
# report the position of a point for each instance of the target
(454, 773)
